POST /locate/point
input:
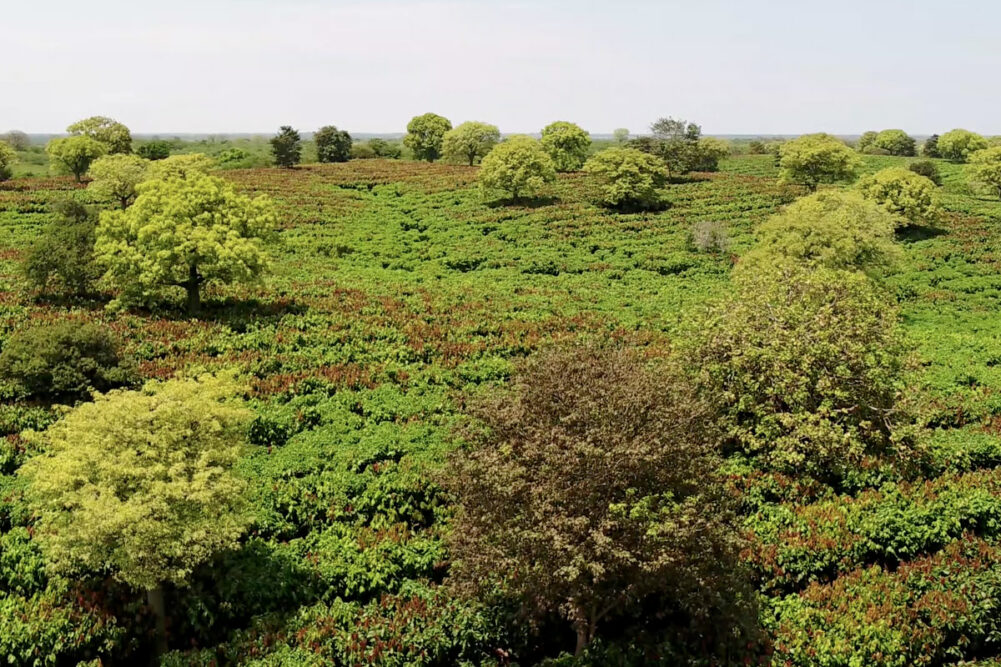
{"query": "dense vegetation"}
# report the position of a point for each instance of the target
(482, 430)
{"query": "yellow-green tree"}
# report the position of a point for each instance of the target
(115, 136)
(140, 484)
(74, 155)
(567, 144)
(957, 145)
(517, 166)
(985, 168)
(911, 197)
(895, 142)
(8, 157)
(187, 233)
(425, 135)
(469, 142)
(832, 229)
(628, 178)
(816, 158)
(116, 177)
(180, 166)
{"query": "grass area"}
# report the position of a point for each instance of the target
(396, 293)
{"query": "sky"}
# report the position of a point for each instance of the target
(734, 67)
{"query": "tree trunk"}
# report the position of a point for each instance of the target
(582, 639)
(193, 286)
(154, 597)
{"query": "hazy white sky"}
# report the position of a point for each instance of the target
(734, 66)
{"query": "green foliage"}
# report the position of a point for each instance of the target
(425, 136)
(191, 165)
(115, 136)
(8, 157)
(469, 142)
(816, 158)
(63, 361)
(383, 148)
(518, 166)
(894, 142)
(154, 150)
(590, 488)
(813, 388)
(74, 155)
(332, 145)
(140, 483)
(866, 142)
(286, 147)
(928, 169)
(620, 135)
(930, 147)
(830, 229)
(903, 193)
(957, 145)
(16, 139)
(985, 169)
(628, 178)
(184, 232)
(707, 152)
(116, 176)
(675, 141)
(566, 144)
(61, 258)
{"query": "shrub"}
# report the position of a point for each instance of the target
(116, 176)
(286, 147)
(567, 144)
(628, 178)
(62, 256)
(591, 490)
(74, 155)
(363, 151)
(518, 166)
(813, 387)
(895, 142)
(332, 145)
(957, 145)
(425, 135)
(469, 142)
(903, 193)
(928, 169)
(830, 229)
(985, 169)
(816, 158)
(387, 149)
(63, 361)
(707, 152)
(8, 158)
(154, 150)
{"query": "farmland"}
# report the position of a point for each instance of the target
(397, 294)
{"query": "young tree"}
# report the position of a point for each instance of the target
(469, 141)
(628, 178)
(930, 147)
(332, 145)
(833, 229)
(985, 169)
(808, 365)
(116, 137)
(62, 255)
(907, 195)
(816, 158)
(590, 490)
(8, 158)
(620, 135)
(675, 141)
(425, 135)
(567, 144)
(154, 150)
(74, 155)
(866, 142)
(116, 177)
(140, 484)
(957, 145)
(184, 232)
(286, 146)
(518, 166)
(895, 142)
(16, 139)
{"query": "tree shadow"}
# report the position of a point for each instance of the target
(523, 202)
(915, 233)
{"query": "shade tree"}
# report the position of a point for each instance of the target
(61, 258)
(909, 196)
(425, 136)
(286, 147)
(16, 139)
(469, 142)
(816, 158)
(154, 150)
(628, 178)
(895, 142)
(114, 135)
(332, 145)
(8, 158)
(518, 166)
(116, 176)
(957, 145)
(984, 169)
(567, 145)
(74, 155)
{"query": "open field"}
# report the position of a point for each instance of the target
(397, 293)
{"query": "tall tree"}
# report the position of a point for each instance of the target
(74, 155)
(114, 135)
(567, 145)
(621, 135)
(957, 145)
(816, 158)
(8, 157)
(16, 139)
(332, 145)
(116, 177)
(518, 166)
(425, 135)
(286, 146)
(985, 168)
(469, 142)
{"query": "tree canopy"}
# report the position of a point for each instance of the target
(184, 232)
(115, 136)
(628, 178)
(517, 166)
(816, 158)
(286, 147)
(469, 142)
(985, 169)
(8, 158)
(116, 176)
(74, 155)
(895, 142)
(567, 145)
(957, 145)
(425, 135)
(332, 145)
(911, 197)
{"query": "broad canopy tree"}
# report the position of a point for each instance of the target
(74, 155)
(957, 145)
(116, 176)
(628, 178)
(816, 158)
(332, 145)
(184, 232)
(114, 135)
(469, 142)
(425, 136)
(567, 144)
(8, 157)
(286, 146)
(910, 197)
(518, 166)
(985, 169)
